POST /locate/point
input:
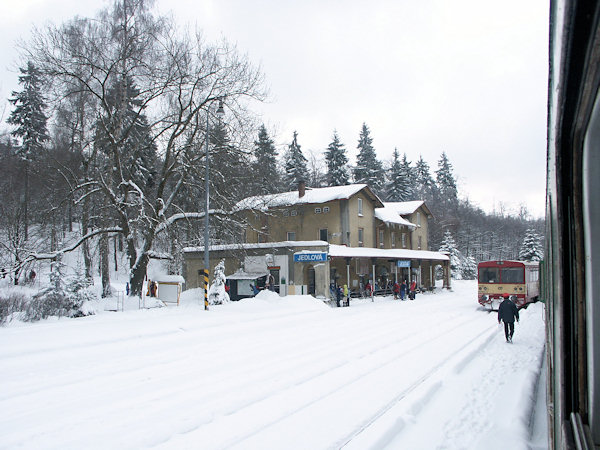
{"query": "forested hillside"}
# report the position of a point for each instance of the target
(120, 118)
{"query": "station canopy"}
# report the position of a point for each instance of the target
(341, 251)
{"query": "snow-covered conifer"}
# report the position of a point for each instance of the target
(445, 180)
(424, 185)
(217, 295)
(368, 168)
(337, 163)
(469, 271)
(265, 164)
(30, 121)
(400, 183)
(29, 116)
(456, 260)
(295, 164)
(531, 249)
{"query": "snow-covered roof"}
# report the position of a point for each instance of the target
(261, 245)
(311, 196)
(390, 215)
(168, 278)
(241, 275)
(365, 252)
(335, 250)
(404, 208)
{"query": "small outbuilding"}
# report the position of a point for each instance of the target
(168, 288)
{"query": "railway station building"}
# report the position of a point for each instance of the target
(312, 239)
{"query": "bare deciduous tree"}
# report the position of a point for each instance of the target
(176, 79)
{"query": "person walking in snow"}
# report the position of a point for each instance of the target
(396, 290)
(508, 312)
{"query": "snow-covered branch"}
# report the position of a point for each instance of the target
(190, 215)
(53, 255)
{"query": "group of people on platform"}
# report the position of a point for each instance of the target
(400, 290)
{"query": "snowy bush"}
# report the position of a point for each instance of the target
(72, 300)
(11, 303)
(217, 294)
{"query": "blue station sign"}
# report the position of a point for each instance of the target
(310, 257)
(403, 263)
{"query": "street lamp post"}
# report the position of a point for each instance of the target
(220, 112)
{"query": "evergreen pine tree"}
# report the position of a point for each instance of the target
(424, 185)
(217, 295)
(28, 115)
(469, 268)
(265, 164)
(445, 180)
(400, 184)
(407, 174)
(530, 248)
(368, 168)
(229, 177)
(30, 121)
(456, 258)
(126, 125)
(337, 163)
(295, 165)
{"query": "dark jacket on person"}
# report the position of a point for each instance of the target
(508, 311)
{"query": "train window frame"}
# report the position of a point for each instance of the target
(495, 280)
(505, 271)
(591, 242)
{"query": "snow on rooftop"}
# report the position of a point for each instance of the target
(366, 252)
(404, 208)
(168, 278)
(390, 215)
(312, 195)
(242, 275)
(267, 245)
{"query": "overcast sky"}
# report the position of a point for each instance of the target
(468, 77)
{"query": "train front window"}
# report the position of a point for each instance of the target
(513, 275)
(489, 275)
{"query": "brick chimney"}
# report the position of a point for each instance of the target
(301, 188)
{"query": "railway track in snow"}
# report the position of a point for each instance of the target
(461, 352)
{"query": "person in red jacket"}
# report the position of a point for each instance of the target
(413, 290)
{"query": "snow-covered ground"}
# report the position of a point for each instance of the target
(277, 373)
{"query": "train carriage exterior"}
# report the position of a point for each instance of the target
(519, 279)
(571, 267)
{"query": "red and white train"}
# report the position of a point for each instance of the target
(519, 279)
